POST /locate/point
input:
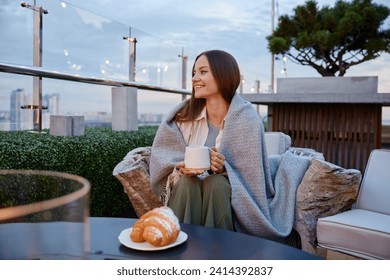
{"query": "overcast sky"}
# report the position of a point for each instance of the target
(239, 27)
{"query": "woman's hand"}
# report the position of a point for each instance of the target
(217, 161)
(186, 171)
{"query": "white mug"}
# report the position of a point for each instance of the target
(197, 158)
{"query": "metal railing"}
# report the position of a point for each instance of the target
(40, 72)
(120, 122)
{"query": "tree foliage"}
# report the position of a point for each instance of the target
(332, 39)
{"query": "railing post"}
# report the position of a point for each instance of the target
(37, 61)
(257, 84)
(242, 81)
(132, 57)
(272, 85)
(257, 90)
(124, 99)
(37, 81)
(184, 60)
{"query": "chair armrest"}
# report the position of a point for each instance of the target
(277, 143)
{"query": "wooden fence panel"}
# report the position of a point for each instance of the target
(345, 133)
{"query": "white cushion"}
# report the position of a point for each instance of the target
(374, 193)
(357, 232)
(277, 143)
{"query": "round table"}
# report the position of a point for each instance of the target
(203, 243)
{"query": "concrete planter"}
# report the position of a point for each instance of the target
(338, 85)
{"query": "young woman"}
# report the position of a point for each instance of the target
(237, 192)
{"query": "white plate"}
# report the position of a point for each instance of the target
(124, 239)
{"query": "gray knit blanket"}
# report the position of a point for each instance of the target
(263, 190)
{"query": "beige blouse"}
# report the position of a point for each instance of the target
(195, 133)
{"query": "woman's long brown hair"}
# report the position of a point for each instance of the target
(225, 71)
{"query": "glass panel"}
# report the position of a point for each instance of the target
(16, 33)
(15, 91)
(78, 41)
(97, 49)
(78, 99)
(158, 62)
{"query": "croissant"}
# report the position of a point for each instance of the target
(159, 227)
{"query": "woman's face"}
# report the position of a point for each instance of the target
(203, 82)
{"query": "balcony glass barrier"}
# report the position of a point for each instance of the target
(79, 42)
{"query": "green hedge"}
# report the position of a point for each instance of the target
(92, 156)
